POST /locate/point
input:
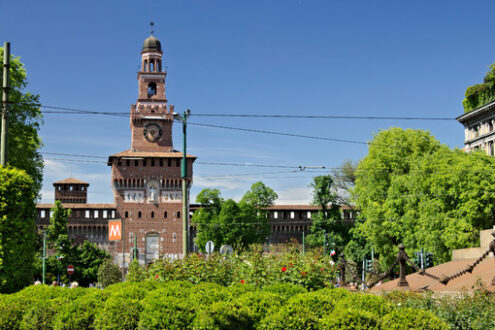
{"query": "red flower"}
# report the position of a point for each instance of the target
(291, 264)
(157, 276)
(303, 273)
(284, 269)
(322, 269)
(243, 282)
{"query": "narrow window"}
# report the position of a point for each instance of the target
(151, 89)
(86, 214)
(105, 214)
(165, 214)
(128, 163)
(42, 214)
(169, 162)
(174, 237)
(161, 162)
(136, 163)
(59, 188)
(152, 162)
(178, 214)
(292, 214)
(145, 65)
(309, 214)
(113, 214)
(152, 65)
(139, 214)
(96, 213)
(70, 187)
(126, 214)
(82, 188)
(275, 215)
(144, 162)
(177, 162)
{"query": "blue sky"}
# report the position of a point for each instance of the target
(362, 58)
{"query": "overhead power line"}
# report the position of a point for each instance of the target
(67, 110)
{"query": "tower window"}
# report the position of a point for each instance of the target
(126, 214)
(145, 65)
(165, 214)
(178, 214)
(152, 214)
(169, 162)
(152, 65)
(136, 163)
(151, 89)
(152, 162)
(139, 214)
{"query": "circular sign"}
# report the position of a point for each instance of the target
(209, 247)
(70, 269)
(226, 249)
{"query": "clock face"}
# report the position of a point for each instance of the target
(152, 132)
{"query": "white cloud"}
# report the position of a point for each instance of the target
(300, 195)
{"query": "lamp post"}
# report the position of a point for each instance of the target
(183, 172)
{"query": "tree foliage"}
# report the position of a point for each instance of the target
(481, 94)
(228, 222)
(17, 229)
(24, 123)
(414, 190)
(328, 220)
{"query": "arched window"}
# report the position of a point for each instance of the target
(139, 214)
(165, 214)
(152, 214)
(145, 65)
(151, 89)
(126, 214)
(152, 65)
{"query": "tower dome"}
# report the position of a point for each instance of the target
(152, 44)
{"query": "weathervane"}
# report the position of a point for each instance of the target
(151, 24)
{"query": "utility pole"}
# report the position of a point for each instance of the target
(304, 248)
(5, 103)
(123, 251)
(185, 199)
(44, 257)
(135, 246)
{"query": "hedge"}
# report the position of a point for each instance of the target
(182, 305)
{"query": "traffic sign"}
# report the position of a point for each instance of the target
(115, 230)
(226, 249)
(209, 247)
(70, 269)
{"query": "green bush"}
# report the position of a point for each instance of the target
(318, 302)
(376, 305)
(108, 273)
(349, 318)
(121, 310)
(408, 318)
(285, 290)
(165, 312)
(80, 314)
(291, 316)
(222, 315)
(38, 315)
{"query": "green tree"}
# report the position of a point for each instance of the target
(328, 220)
(88, 258)
(108, 273)
(414, 190)
(228, 222)
(25, 119)
(260, 196)
(17, 229)
(344, 180)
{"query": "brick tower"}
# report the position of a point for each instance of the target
(146, 179)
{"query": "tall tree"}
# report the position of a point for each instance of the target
(17, 229)
(24, 123)
(344, 180)
(260, 196)
(414, 190)
(328, 221)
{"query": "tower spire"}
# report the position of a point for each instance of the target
(151, 25)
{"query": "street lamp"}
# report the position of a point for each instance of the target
(185, 206)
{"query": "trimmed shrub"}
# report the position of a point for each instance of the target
(286, 290)
(206, 294)
(165, 312)
(38, 315)
(408, 318)
(374, 304)
(293, 316)
(222, 315)
(349, 318)
(318, 302)
(121, 310)
(81, 313)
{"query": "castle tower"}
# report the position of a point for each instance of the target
(146, 179)
(71, 191)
